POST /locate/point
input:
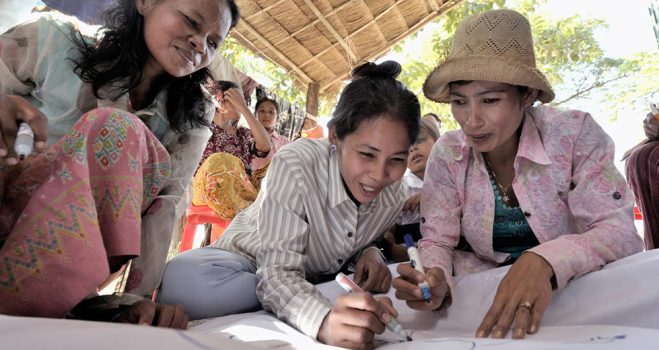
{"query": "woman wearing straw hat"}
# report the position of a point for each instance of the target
(531, 187)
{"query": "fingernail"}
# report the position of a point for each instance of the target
(3, 152)
(144, 324)
(40, 144)
(497, 334)
(385, 317)
(519, 333)
(11, 161)
(480, 334)
(533, 329)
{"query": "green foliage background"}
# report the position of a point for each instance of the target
(566, 51)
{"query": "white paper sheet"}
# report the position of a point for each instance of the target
(25, 333)
(615, 308)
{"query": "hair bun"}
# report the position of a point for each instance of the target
(384, 70)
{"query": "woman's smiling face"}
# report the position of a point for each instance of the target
(372, 157)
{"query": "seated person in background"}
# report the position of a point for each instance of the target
(410, 217)
(311, 129)
(125, 117)
(642, 165)
(225, 180)
(535, 187)
(267, 112)
(434, 118)
(322, 205)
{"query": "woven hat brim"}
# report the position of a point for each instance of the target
(486, 68)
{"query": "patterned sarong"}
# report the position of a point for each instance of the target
(222, 184)
(65, 212)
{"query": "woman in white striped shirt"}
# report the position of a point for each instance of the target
(321, 205)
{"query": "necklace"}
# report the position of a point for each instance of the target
(504, 190)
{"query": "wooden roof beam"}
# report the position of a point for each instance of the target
(332, 30)
(263, 9)
(306, 26)
(276, 51)
(350, 35)
(397, 40)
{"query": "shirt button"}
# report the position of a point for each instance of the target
(527, 214)
(423, 220)
(340, 261)
(349, 234)
(616, 195)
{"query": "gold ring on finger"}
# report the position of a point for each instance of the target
(526, 305)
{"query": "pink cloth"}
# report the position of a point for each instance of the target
(278, 141)
(66, 211)
(576, 202)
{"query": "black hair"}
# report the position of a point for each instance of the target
(375, 93)
(120, 55)
(434, 116)
(266, 99)
(218, 86)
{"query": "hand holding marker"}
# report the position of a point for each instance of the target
(349, 286)
(415, 260)
(24, 141)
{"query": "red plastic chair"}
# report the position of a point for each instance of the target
(196, 215)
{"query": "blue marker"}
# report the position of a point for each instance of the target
(415, 260)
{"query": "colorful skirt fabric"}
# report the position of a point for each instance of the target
(222, 184)
(67, 212)
(643, 178)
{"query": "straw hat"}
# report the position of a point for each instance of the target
(493, 46)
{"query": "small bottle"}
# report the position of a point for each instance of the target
(24, 141)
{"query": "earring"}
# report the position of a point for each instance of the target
(333, 147)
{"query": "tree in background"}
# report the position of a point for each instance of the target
(566, 49)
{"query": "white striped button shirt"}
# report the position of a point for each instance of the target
(302, 224)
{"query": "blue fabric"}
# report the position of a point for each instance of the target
(89, 11)
(511, 232)
(210, 282)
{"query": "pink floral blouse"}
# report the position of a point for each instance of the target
(575, 200)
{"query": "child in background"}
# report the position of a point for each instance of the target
(394, 243)
(267, 112)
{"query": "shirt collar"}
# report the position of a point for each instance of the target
(337, 193)
(530, 142)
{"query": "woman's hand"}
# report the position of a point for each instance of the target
(371, 272)
(13, 110)
(521, 300)
(161, 315)
(234, 100)
(354, 321)
(407, 287)
(412, 203)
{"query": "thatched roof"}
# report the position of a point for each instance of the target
(320, 41)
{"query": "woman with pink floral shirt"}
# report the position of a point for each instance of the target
(531, 187)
